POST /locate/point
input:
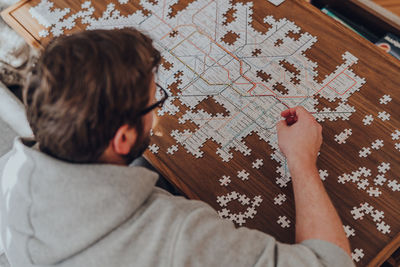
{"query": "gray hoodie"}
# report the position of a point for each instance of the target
(56, 213)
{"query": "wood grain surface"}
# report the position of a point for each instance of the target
(198, 178)
(391, 5)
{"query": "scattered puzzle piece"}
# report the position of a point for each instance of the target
(380, 179)
(240, 219)
(258, 163)
(364, 152)
(224, 213)
(368, 119)
(280, 199)
(367, 208)
(364, 171)
(383, 227)
(395, 135)
(384, 167)
(343, 136)
(244, 200)
(225, 180)
(283, 221)
(323, 174)
(397, 146)
(222, 200)
(154, 148)
(358, 213)
(349, 231)
(374, 192)
(362, 184)
(384, 116)
(377, 144)
(394, 185)
(281, 181)
(355, 176)
(377, 215)
(243, 175)
(357, 254)
(172, 149)
(343, 179)
(250, 212)
(257, 201)
(384, 100)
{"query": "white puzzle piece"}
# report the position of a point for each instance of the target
(384, 100)
(357, 254)
(283, 221)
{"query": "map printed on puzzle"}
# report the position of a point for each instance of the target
(246, 72)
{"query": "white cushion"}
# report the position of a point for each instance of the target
(12, 112)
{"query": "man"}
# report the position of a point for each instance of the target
(71, 200)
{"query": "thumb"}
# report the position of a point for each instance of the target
(281, 125)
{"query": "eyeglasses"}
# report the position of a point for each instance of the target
(159, 103)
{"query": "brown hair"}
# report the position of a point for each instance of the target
(85, 86)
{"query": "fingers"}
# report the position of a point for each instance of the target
(301, 112)
(297, 111)
(291, 112)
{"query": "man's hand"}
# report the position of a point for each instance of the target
(302, 140)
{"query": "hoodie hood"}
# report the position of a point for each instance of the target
(58, 208)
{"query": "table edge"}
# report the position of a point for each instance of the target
(7, 16)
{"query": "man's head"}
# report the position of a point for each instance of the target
(86, 95)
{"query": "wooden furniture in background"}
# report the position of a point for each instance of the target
(367, 13)
(391, 5)
(198, 178)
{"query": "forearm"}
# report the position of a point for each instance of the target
(316, 217)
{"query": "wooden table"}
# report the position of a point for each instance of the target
(199, 177)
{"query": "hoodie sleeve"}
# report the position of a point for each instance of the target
(204, 239)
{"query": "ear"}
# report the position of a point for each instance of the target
(124, 139)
